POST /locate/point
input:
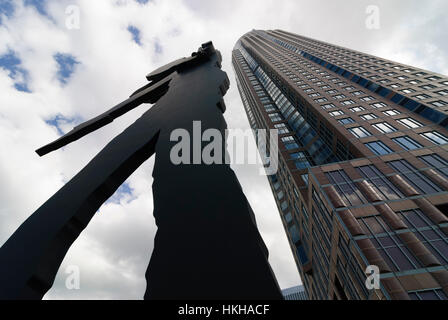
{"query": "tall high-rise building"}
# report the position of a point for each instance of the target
(362, 184)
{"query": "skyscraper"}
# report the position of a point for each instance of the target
(294, 293)
(362, 184)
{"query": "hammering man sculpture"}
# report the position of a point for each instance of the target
(207, 245)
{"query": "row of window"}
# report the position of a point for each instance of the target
(426, 112)
(385, 127)
(407, 143)
(392, 248)
(401, 77)
(383, 187)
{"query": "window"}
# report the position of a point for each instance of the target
(339, 96)
(305, 179)
(416, 179)
(410, 123)
(284, 205)
(280, 195)
(420, 74)
(328, 106)
(428, 86)
(302, 164)
(436, 162)
(433, 78)
(265, 100)
(288, 217)
(357, 93)
(346, 121)
(373, 225)
(395, 253)
(433, 294)
(336, 113)
(289, 143)
(297, 155)
(369, 116)
(442, 92)
(347, 102)
(378, 105)
(345, 187)
(422, 96)
(407, 143)
(275, 117)
(407, 90)
(288, 139)
(357, 109)
(435, 137)
(392, 112)
(378, 148)
(281, 127)
(269, 108)
(360, 132)
(439, 103)
(384, 127)
(368, 98)
(382, 185)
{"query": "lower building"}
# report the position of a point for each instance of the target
(294, 293)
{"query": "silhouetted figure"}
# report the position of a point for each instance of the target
(207, 245)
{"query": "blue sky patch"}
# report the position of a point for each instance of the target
(39, 5)
(123, 191)
(66, 66)
(6, 9)
(58, 121)
(12, 63)
(136, 35)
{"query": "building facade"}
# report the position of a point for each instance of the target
(294, 293)
(362, 184)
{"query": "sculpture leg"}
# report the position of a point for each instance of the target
(31, 257)
(207, 244)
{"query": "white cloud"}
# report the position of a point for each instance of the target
(114, 250)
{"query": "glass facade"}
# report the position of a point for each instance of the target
(363, 169)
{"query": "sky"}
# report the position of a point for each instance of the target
(65, 61)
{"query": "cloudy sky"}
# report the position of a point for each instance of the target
(56, 73)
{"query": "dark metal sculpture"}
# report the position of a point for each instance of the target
(207, 245)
